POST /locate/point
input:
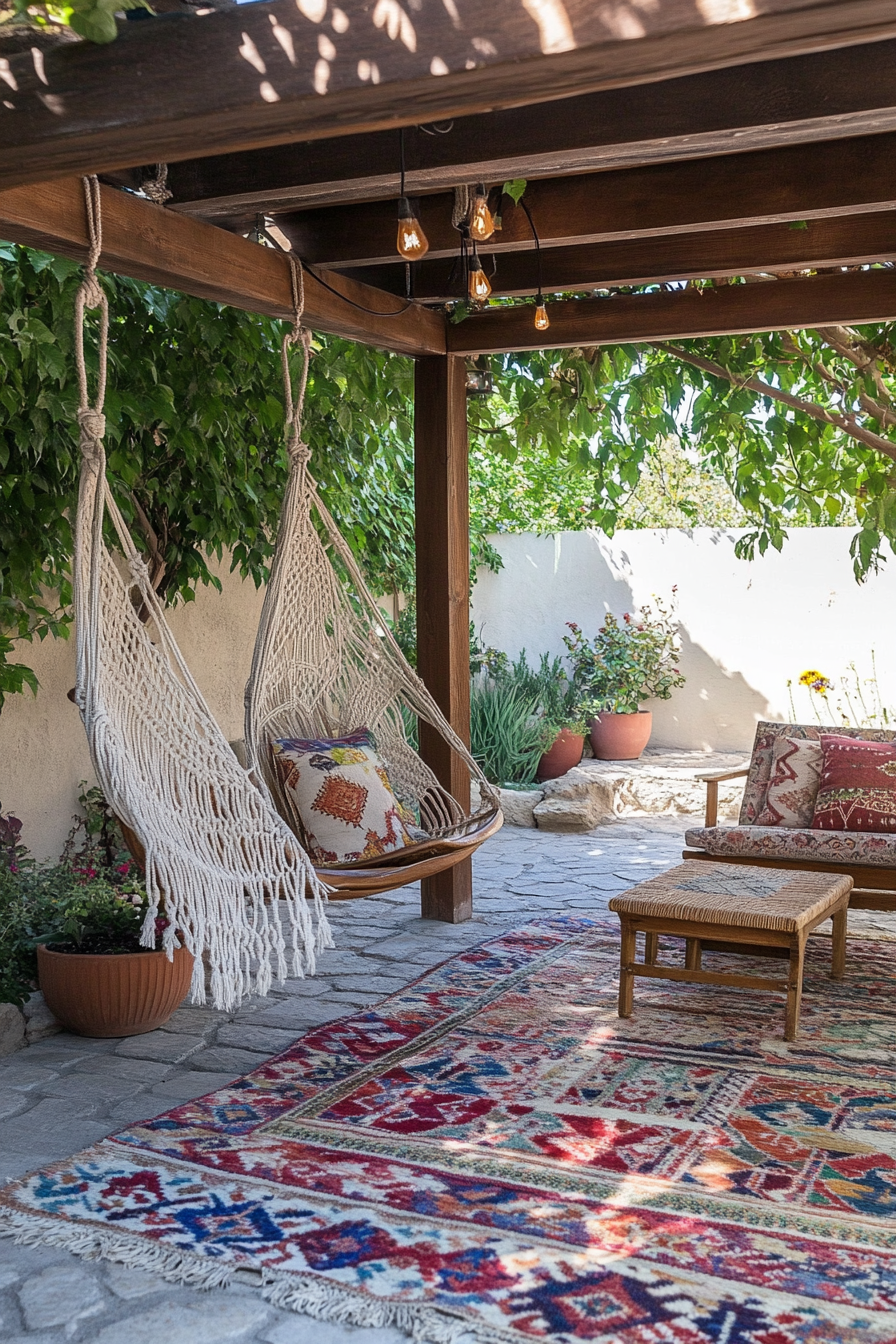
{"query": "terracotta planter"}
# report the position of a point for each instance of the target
(564, 755)
(620, 737)
(113, 995)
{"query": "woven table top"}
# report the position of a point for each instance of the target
(748, 898)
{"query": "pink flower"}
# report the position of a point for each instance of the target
(124, 869)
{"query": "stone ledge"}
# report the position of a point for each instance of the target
(661, 783)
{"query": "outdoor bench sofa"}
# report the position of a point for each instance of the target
(868, 858)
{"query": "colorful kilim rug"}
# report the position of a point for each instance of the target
(492, 1152)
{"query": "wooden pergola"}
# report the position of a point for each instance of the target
(662, 140)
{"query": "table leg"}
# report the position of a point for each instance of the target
(651, 948)
(794, 989)
(626, 975)
(838, 944)
(693, 954)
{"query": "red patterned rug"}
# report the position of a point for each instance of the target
(493, 1152)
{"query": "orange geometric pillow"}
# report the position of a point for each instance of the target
(858, 786)
(341, 794)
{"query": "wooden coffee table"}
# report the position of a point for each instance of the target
(720, 907)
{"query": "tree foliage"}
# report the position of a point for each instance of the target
(801, 426)
(780, 428)
(194, 442)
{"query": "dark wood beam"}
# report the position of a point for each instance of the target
(441, 502)
(846, 240)
(772, 305)
(256, 75)
(824, 96)
(798, 182)
(149, 243)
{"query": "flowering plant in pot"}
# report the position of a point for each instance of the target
(632, 658)
(96, 974)
(100, 964)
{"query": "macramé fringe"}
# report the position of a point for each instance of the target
(295, 1291)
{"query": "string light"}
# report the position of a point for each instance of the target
(479, 287)
(411, 242)
(542, 321)
(482, 223)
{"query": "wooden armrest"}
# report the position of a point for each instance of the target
(712, 782)
(719, 775)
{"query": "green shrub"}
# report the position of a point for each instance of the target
(630, 660)
(507, 735)
(556, 696)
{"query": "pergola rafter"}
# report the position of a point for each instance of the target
(272, 74)
(827, 95)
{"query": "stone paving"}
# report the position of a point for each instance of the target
(61, 1094)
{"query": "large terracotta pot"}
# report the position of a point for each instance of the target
(564, 755)
(113, 995)
(620, 737)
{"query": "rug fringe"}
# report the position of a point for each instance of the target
(92, 1244)
(312, 1296)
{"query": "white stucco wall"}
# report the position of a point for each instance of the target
(43, 750)
(746, 626)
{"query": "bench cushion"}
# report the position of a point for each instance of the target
(784, 842)
(767, 734)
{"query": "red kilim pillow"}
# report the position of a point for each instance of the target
(858, 786)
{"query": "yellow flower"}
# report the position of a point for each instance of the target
(816, 681)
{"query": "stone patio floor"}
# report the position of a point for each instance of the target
(65, 1092)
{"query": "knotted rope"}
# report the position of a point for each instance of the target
(156, 188)
(91, 295)
(298, 450)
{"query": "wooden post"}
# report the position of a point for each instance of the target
(443, 595)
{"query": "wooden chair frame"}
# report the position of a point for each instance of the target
(874, 889)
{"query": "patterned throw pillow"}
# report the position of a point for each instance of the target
(858, 786)
(793, 783)
(343, 797)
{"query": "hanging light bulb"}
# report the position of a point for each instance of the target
(542, 321)
(412, 242)
(482, 224)
(479, 287)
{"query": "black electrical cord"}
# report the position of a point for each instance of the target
(537, 246)
(374, 312)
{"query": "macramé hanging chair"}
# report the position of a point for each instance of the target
(325, 665)
(216, 850)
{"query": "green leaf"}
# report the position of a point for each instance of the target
(515, 189)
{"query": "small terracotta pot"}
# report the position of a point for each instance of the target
(564, 755)
(620, 737)
(121, 994)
